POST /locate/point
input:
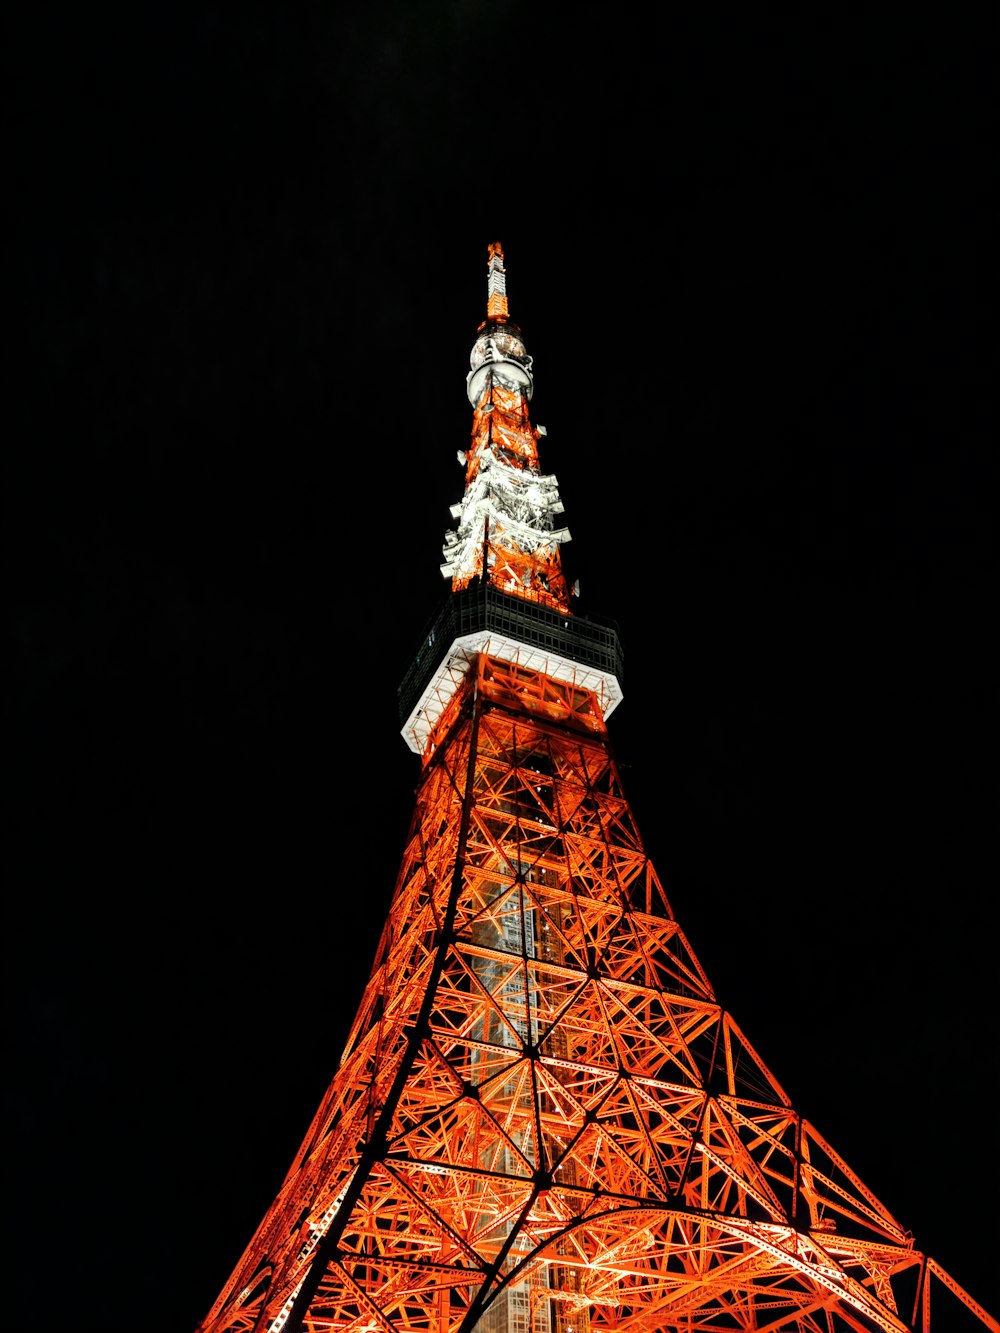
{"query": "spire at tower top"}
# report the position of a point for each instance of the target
(496, 305)
(509, 592)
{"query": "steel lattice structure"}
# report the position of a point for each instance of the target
(543, 1121)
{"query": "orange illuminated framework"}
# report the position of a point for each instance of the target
(502, 474)
(543, 1121)
(507, 529)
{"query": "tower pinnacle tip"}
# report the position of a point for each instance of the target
(496, 305)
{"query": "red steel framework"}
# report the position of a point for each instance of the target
(543, 1121)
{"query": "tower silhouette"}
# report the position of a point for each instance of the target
(543, 1121)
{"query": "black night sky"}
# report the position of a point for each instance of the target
(750, 256)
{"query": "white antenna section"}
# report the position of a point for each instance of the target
(496, 305)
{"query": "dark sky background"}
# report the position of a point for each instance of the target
(751, 257)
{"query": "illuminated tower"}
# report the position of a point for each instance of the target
(543, 1121)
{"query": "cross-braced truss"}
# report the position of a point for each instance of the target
(542, 1109)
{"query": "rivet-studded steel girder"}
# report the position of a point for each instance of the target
(543, 1119)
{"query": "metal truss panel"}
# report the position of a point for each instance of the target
(543, 1111)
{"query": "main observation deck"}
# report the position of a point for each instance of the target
(480, 619)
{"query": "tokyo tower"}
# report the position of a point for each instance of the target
(543, 1121)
